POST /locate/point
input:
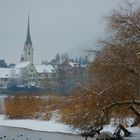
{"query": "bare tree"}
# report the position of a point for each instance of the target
(117, 67)
(115, 90)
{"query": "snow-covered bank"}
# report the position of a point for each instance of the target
(111, 129)
(55, 126)
(49, 126)
(134, 130)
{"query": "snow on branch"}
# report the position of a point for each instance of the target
(119, 103)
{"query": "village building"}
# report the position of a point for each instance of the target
(3, 64)
(26, 72)
(45, 75)
(5, 75)
(57, 77)
(70, 76)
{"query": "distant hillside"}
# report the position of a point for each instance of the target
(86, 49)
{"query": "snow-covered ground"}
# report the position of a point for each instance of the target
(49, 126)
(112, 129)
(134, 130)
(55, 126)
(39, 125)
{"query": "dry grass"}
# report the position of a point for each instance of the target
(78, 110)
(25, 106)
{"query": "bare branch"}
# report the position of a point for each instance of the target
(133, 108)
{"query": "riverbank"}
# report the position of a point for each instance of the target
(55, 127)
(36, 130)
(38, 125)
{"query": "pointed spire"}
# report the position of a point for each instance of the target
(28, 37)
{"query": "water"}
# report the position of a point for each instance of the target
(12, 133)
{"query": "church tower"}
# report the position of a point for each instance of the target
(28, 49)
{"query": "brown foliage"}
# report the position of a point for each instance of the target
(31, 106)
(115, 73)
(80, 111)
(116, 68)
(22, 106)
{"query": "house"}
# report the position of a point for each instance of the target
(45, 75)
(25, 73)
(71, 75)
(3, 64)
(5, 75)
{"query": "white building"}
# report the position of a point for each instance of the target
(45, 75)
(25, 73)
(5, 76)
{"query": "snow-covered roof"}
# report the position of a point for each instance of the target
(22, 65)
(71, 64)
(5, 72)
(44, 68)
(74, 64)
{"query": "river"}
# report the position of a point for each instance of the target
(13, 133)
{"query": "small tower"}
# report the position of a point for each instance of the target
(28, 49)
(22, 58)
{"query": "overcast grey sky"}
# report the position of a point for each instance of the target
(55, 25)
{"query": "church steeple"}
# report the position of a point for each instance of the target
(28, 49)
(28, 37)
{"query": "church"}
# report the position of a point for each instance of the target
(26, 72)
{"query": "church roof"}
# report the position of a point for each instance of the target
(22, 65)
(28, 37)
